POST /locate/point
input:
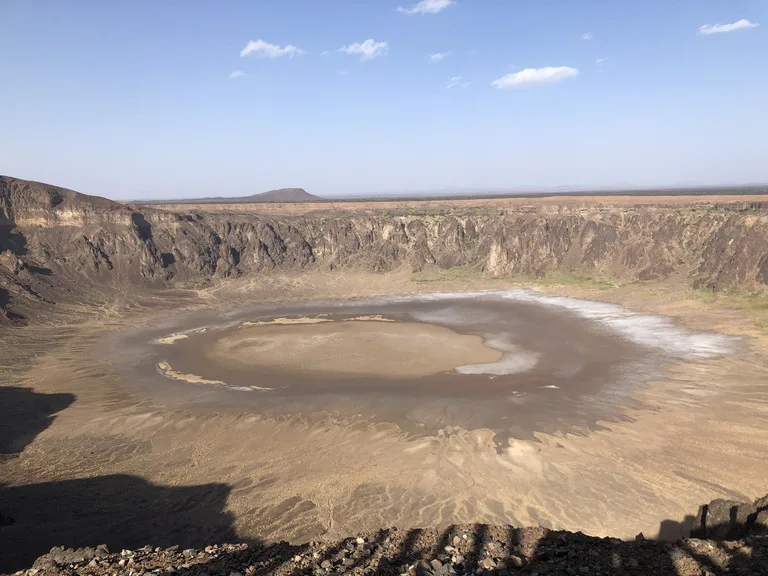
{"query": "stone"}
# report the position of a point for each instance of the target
(488, 563)
(515, 561)
(360, 540)
(761, 522)
(436, 564)
(543, 555)
(677, 554)
(326, 564)
(723, 519)
(423, 568)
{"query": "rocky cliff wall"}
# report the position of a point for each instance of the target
(51, 238)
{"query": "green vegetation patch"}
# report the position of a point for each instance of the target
(445, 274)
(557, 278)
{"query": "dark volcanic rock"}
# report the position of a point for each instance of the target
(572, 554)
(727, 519)
(57, 244)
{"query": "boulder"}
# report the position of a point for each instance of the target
(729, 520)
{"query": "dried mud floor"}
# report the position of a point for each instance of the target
(112, 462)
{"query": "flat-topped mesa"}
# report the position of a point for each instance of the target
(89, 240)
(282, 195)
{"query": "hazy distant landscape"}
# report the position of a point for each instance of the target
(300, 195)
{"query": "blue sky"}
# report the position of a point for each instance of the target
(135, 99)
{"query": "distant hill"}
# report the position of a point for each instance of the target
(287, 195)
(281, 195)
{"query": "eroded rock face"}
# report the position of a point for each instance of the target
(62, 238)
(728, 520)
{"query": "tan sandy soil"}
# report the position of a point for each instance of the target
(481, 203)
(400, 349)
(701, 434)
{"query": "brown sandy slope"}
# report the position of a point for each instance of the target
(104, 462)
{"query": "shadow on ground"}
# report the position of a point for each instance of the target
(487, 551)
(24, 414)
(118, 510)
(125, 511)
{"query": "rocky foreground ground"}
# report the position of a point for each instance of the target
(733, 539)
(463, 550)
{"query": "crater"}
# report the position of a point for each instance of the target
(515, 362)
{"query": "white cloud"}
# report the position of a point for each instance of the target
(263, 49)
(531, 76)
(601, 61)
(720, 28)
(457, 81)
(437, 57)
(587, 36)
(367, 50)
(237, 74)
(427, 7)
